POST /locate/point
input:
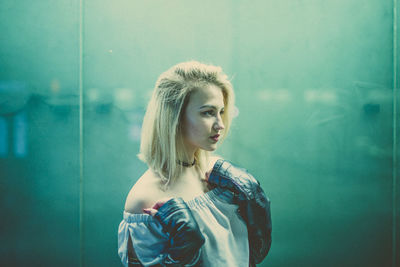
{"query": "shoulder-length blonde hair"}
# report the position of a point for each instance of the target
(161, 141)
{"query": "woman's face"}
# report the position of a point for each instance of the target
(202, 122)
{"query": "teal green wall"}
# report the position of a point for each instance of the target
(317, 123)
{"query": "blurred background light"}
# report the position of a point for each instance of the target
(124, 98)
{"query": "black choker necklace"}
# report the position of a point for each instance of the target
(185, 164)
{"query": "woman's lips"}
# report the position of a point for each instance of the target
(215, 137)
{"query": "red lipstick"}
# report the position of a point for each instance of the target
(215, 137)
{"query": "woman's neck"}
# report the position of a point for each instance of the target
(188, 159)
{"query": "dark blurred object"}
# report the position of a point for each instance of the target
(371, 109)
(62, 104)
(13, 96)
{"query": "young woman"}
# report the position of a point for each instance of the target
(191, 208)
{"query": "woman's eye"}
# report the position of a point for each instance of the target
(211, 112)
(208, 112)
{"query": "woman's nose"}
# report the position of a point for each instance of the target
(219, 124)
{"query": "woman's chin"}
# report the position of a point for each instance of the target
(211, 148)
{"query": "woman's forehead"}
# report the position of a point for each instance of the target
(207, 96)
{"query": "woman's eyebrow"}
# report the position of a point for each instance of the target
(209, 106)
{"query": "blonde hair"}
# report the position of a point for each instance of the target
(161, 140)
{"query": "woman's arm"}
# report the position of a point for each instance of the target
(185, 238)
(170, 238)
(174, 220)
(254, 205)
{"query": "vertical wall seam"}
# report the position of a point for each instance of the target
(81, 187)
(394, 152)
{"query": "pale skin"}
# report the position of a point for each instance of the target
(201, 120)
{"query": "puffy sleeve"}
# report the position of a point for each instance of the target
(254, 205)
(171, 238)
(141, 241)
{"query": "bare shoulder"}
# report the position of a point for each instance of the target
(144, 193)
